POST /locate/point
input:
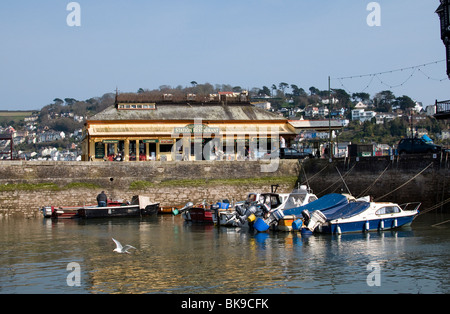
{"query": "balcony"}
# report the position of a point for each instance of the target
(442, 110)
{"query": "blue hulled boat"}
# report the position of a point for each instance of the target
(361, 216)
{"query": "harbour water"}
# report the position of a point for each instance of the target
(172, 257)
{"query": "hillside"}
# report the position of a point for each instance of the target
(59, 124)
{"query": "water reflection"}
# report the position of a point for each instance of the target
(175, 257)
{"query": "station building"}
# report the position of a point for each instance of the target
(148, 127)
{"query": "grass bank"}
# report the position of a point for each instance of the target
(139, 185)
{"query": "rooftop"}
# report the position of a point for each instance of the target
(159, 109)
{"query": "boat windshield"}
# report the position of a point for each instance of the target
(272, 200)
(388, 210)
(294, 201)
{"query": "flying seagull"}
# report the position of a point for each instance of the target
(122, 249)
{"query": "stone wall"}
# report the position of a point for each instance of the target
(396, 180)
(27, 186)
(37, 184)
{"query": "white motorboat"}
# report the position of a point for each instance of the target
(361, 216)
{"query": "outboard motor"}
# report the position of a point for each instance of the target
(251, 210)
(240, 209)
(317, 219)
(275, 216)
(47, 211)
(306, 216)
(187, 206)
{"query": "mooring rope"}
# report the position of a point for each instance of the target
(373, 183)
(434, 207)
(315, 174)
(405, 183)
(340, 178)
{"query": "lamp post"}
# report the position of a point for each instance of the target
(444, 15)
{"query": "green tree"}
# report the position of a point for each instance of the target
(404, 102)
(265, 91)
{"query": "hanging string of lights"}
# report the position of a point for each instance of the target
(372, 76)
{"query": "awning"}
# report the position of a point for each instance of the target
(152, 130)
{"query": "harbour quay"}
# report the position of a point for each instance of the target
(26, 186)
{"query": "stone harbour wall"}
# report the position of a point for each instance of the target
(27, 186)
(405, 179)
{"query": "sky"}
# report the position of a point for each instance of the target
(249, 43)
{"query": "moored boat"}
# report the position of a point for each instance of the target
(139, 206)
(199, 213)
(238, 215)
(362, 216)
(110, 211)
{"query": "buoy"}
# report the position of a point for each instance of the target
(367, 226)
(251, 218)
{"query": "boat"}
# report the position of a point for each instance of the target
(274, 203)
(139, 206)
(199, 213)
(362, 216)
(298, 198)
(109, 211)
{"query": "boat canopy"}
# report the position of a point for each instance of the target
(347, 211)
(324, 204)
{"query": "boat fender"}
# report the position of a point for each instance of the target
(338, 230)
(260, 225)
(297, 224)
(367, 225)
(395, 223)
(381, 224)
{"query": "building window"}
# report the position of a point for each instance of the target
(150, 106)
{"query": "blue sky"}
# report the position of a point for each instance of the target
(250, 43)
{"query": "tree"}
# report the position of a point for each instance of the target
(70, 101)
(58, 101)
(405, 102)
(274, 87)
(314, 91)
(383, 100)
(364, 97)
(342, 96)
(265, 91)
(283, 86)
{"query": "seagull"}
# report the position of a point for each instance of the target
(122, 249)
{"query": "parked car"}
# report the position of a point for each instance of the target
(287, 153)
(417, 146)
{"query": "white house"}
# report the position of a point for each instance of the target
(362, 115)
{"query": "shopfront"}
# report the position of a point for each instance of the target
(183, 132)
